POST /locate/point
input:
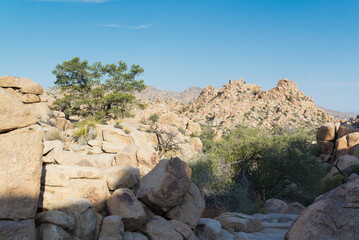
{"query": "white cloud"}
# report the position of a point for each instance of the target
(127, 27)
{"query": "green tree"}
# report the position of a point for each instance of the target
(97, 91)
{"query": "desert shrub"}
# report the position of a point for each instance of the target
(207, 136)
(82, 129)
(330, 182)
(275, 164)
(182, 130)
(154, 118)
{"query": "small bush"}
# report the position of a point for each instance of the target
(154, 118)
(81, 132)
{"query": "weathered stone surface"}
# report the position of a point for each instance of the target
(147, 156)
(274, 205)
(116, 136)
(51, 231)
(353, 143)
(134, 236)
(194, 128)
(341, 146)
(165, 186)
(326, 147)
(99, 219)
(160, 229)
(197, 144)
(345, 129)
(121, 177)
(67, 182)
(64, 124)
(95, 143)
(20, 165)
(112, 228)
(13, 113)
(84, 214)
(344, 162)
(127, 156)
(296, 208)
(57, 218)
(326, 132)
(124, 204)
(30, 98)
(209, 227)
(238, 222)
(76, 159)
(334, 215)
(182, 228)
(24, 84)
(109, 147)
(15, 230)
(190, 209)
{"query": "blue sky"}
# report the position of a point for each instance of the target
(192, 42)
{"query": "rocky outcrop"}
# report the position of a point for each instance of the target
(333, 215)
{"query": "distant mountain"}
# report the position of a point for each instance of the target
(339, 115)
(186, 96)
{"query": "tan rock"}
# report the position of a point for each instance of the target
(121, 177)
(76, 159)
(274, 205)
(112, 228)
(25, 84)
(62, 183)
(190, 209)
(127, 156)
(331, 216)
(95, 143)
(20, 164)
(124, 204)
(109, 147)
(344, 162)
(158, 228)
(13, 113)
(182, 228)
(30, 98)
(197, 144)
(238, 222)
(15, 230)
(326, 147)
(64, 124)
(147, 156)
(326, 132)
(194, 128)
(116, 136)
(41, 111)
(165, 186)
(341, 146)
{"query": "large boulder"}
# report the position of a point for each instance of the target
(72, 158)
(123, 203)
(344, 162)
(160, 229)
(15, 230)
(112, 228)
(210, 228)
(274, 205)
(326, 147)
(116, 136)
(334, 215)
(353, 144)
(182, 228)
(127, 156)
(24, 84)
(121, 177)
(57, 218)
(13, 113)
(166, 185)
(61, 183)
(341, 147)
(326, 132)
(20, 164)
(190, 209)
(238, 222)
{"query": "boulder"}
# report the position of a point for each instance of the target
(345, 129)
(134, 236)
(160, 229)
(77, 159)
(238, 222)
(50, 149)
(124, 204)
(274, 205)
(13, 113)
(333, 215)
(165, 186)
(344, 162)
(182, 228)
(64, 124)
(84, 214)
(197, 144)
(51, 231)
(62, 183)
(109, 147)
(117, 136)
(30, 98)
(353, 143)
(326, 132)
(127, 156)
(147, 156)
(24, 84)
(326, 147)
(296, 208)
(112, 228)
(20, 164)
(194, 128)
(209, 227)
(190, 209)
(341, 146)
(95, 143)
(15, 230)
(41, 111)
(121, 177)
(57, 218)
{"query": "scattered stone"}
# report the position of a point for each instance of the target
(112, 228)
(274, 205)
(238, 222)
(160, 229)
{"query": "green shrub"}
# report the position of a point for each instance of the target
(154, 118)
(82, 129)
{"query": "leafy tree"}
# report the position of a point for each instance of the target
(97, 91)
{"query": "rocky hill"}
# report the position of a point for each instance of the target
(186, 96)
